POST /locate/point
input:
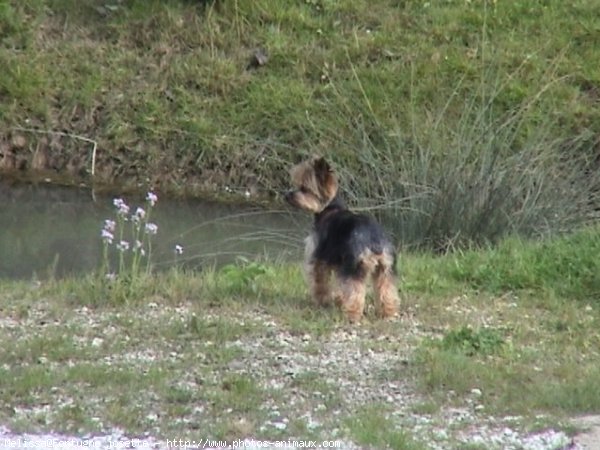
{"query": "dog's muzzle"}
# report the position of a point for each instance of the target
(290, 197)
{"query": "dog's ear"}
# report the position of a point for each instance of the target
(328, 184)
(322, 168)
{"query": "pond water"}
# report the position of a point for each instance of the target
(51, 230)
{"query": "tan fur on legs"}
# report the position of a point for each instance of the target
(380, 266)
(353, 298)
(320, 287)
(386, 294)
(317, 274)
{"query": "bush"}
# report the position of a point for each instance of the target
(475, 178)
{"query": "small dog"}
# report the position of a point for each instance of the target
(352, 246)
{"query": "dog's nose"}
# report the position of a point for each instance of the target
(288, 195)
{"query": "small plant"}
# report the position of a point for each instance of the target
(134, 247)
(127, 250)
(470, 342)
(243, 275)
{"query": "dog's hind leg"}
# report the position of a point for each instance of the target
(386, 292)
(352, 297)
(319, 276)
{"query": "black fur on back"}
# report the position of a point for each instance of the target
(342, 236)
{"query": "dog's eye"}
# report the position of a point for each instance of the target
(303, 189)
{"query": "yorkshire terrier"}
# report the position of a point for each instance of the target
(353, 246)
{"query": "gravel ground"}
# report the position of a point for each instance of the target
(353, 362)
(504, 439)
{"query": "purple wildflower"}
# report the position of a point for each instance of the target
(139, 215)
(107, 236)
(122, 207)
(109, 225)
(151, 228)
(151, 198)
(123, 246)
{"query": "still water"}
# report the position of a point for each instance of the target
(50, 230)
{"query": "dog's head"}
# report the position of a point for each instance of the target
(315, 185)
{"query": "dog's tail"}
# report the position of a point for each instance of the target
(379, 258)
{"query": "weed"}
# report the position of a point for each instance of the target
(139, 240)
(243, 276)
(126, 256)
(465, 340)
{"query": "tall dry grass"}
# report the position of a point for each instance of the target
(468, 171)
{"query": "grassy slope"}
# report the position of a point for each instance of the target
(161, 85)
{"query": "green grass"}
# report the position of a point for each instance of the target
(519, 324)
(530, 376)
(462, 121)
(371, 427)
(564, 267)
